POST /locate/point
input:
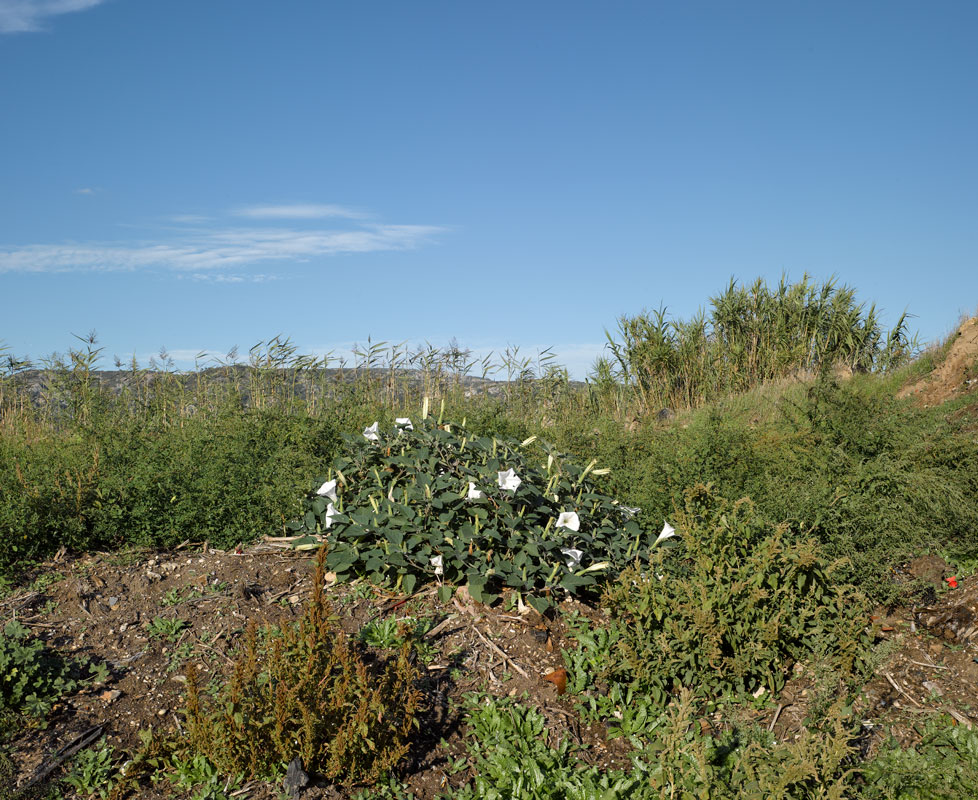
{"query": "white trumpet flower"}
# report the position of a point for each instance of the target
(569, 520)
(330, 513)
(438, 564)
(405, 423)
(328, 489)
(370, 433)
(667, 533)
(474, 494)
(574, 556)
(508, 480)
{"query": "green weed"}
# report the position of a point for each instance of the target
(306, 693)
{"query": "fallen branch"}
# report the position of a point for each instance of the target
(777, 714)
(79, 743)
(961, 718)
(500, 653)
(897, 686)
(445, 623)
(929, 666)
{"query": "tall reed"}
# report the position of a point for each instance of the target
(751, 334)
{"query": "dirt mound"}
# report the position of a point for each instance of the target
(956, 375)
(146, 617)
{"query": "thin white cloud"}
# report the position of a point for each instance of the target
(25, 16)
(199, 251)
(299, 211)
(85, 190)
(221, 277)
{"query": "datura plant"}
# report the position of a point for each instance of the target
(430, 502)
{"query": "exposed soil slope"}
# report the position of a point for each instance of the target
(956, 375)
(109, 608)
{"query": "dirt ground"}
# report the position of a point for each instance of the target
(956, 375)
(122, 610)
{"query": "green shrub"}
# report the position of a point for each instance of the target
(93, 772)
(306, 692)
(689, 762)
(46, 492)
(873, 480)
(733, 608)
(429, 504)
(876, 481)
(226, 479)
(943, 764)
(33, 678)
(513, 760)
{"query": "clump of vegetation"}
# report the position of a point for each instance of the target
(696, 623)
(522, 765)
(874, 480)
(752, 334)
(93, 772)
(733, 608)
(306, 692)
(944, 763)
(435, 503)
(32, 677)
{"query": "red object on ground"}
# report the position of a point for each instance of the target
(952, 581)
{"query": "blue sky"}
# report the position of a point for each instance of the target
(199, 175)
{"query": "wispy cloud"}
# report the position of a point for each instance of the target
(197, 249)
(221, 277)
(85, 190)
(24, 16)
(300, 211)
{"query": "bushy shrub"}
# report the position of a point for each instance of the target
(227, 479)
(521, 765)
(944, 763)
(46, 493)
(733, 608)
(307, 693)
(876, 481)
(32, 677)
(871, 479)
(413, 506)
(685, 760)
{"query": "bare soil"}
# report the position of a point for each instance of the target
(107, 607)
(957, 374)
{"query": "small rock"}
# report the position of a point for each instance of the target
(113, 603)
(110, 695)
(296, 778)
(161, 712)
(928, 568)
(933, 688)
(294, 599)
